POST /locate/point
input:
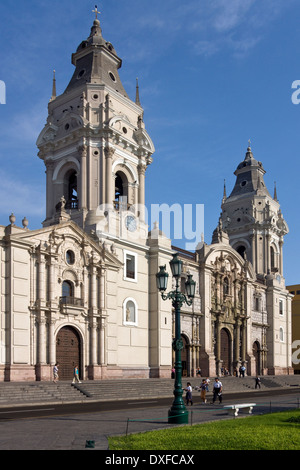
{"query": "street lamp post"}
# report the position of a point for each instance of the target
(178, 413)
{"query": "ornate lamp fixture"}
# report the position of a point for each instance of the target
(178, 413)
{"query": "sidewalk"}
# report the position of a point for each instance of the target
(70, 432)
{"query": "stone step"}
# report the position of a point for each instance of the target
(117, 389)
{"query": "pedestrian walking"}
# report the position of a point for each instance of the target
(242, 371)
(55, 372)
(217, 390)
(76, 375)
(203, 388)
(257, 382)
(188, 396)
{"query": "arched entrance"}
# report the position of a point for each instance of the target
(185, 357)
(256, 354)
(68, 352)
(225, 350)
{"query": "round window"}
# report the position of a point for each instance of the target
(113, 78)
(81, 73)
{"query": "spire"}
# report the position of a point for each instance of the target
(224, 192)
(275, 192)
(137, 93)
(96, 61)
(53, 87)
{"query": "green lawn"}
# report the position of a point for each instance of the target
(277, 431)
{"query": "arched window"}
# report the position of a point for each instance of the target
(118, 187)
(70, 257)
(121, 191)
(70, 189)
(272, 257)
(281, 335)
(241, 250)
(130, 312)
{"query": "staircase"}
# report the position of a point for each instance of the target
(38, 392)
(118, 389)
(17, 394)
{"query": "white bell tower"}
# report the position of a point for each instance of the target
(95, 146)
(253, 220)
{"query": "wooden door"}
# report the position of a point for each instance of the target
(68, 352)
(225, 349)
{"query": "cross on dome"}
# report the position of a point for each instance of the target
(96, 11)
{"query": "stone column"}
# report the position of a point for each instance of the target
(237, 342)
(83, 177)
(218, 346)
(52, 343)
(93, 323)
(267, 253)
(141, 191)
(244, 340)
(41, 372)
(280, 264)
(49, 189)
(41, 279)
(102, 321)
(51, 281)
(93, 342)
(109, 196)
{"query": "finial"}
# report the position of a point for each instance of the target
(224, 191)
(137, 93)
(25, 223)
(96, 11)
(12, 218)
(53, 87)
(249, 151)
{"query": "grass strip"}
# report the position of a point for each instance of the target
(276, 431)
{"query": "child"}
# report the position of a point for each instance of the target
(203, 388)
(189, 398)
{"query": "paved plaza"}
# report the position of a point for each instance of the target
(70, 432)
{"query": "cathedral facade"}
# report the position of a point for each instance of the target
(82, 291)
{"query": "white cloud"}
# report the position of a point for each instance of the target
(206, 48)
(230, 14)
(233, 26)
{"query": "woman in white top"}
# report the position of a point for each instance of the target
(189, 398)
(217, 390)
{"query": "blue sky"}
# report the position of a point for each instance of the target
(212, 74)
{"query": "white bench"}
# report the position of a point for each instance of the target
(234, 409)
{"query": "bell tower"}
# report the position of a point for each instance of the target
(253, 220)
(94, 145)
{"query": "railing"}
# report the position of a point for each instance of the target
(121, 205)
(74, 204)
(74, 301)
(184, 253)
